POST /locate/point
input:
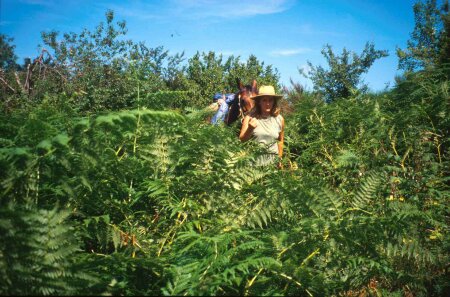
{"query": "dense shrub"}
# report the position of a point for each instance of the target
(164, 203)
(113, 182)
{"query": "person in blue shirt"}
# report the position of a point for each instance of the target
(224, 102)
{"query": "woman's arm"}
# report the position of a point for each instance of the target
(248, 125)
(281, 139)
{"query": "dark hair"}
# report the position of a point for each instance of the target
(256, 110)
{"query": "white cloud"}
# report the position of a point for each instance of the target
(229, 8)
(290, 52)
(196, 9)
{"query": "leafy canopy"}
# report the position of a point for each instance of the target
(429, 44)
(343, 78)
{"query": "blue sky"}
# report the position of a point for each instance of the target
(283, 33)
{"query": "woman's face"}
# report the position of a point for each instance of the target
(266, 104)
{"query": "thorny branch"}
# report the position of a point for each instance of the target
(38, 64)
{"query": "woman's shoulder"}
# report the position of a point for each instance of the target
(279, 119)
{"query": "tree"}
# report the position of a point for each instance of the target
(249, 70)
(444, 56)
(174, 74)
(206, 73)
(344, 75)
(7, 67)
(7, 55)
(103, 68)
(429, 43)
(267, 74)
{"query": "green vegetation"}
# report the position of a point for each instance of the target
(344, 77)
(112, 182)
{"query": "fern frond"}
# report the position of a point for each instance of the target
(43, 248)
(347, 158)
(365, 195)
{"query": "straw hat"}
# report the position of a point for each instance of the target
(266, 91)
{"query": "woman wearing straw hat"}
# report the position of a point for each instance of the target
(265, 124)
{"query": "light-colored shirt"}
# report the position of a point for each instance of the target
(267, 132)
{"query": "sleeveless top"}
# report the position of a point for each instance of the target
(267, 132)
